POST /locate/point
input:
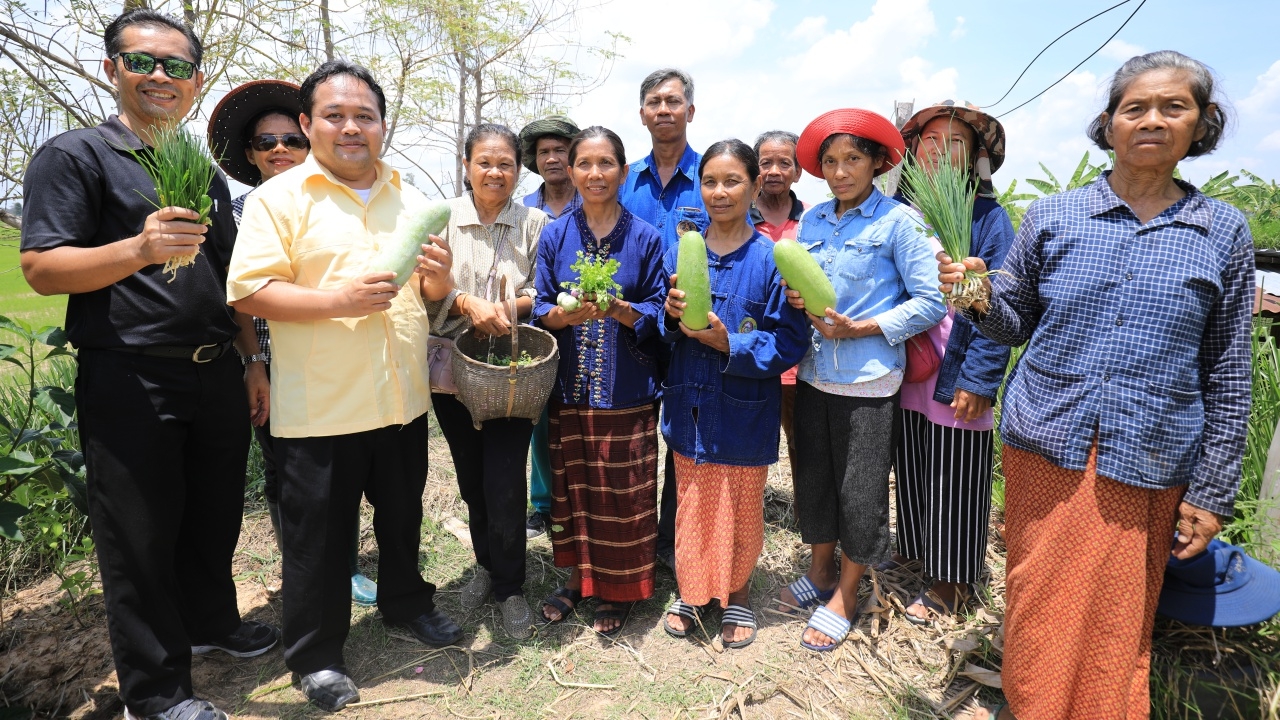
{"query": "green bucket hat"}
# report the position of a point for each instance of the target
(556, 125)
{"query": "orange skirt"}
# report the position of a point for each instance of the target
(719, 528)
(1084, 570)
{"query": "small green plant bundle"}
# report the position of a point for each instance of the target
(595, 283)
(182, 171)
(944, 195)
(525, 359)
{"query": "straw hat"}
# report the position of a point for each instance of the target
(852, 121)
(235, 110)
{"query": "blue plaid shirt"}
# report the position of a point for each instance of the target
(1139, 332)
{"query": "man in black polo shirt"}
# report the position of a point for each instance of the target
(161, 398)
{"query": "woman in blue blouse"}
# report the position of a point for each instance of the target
(604, 421)
(1124, 421)
(722, 399)
(882, 269)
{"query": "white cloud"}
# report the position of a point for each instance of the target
(1052, 131)
(809, 29)
(1119, 50)
(959, 30)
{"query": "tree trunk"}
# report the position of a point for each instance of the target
(10, 219)
(326, 30)
(460, 133)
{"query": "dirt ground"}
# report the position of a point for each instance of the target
(58, 661)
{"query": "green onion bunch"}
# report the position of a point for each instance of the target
(944, 196)
(182, 170)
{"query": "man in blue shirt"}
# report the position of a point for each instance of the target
(545, 147)
(663, 190)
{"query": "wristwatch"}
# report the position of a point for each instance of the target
(256, 357)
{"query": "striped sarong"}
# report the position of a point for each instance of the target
(604, 497)
(1085, 566)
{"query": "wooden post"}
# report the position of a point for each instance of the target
(901, 114)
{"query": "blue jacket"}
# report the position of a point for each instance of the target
(973, 362)
(722, 408)
(603, 363)
(882, 266)
(666, 208)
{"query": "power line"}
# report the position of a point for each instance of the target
(1046, 49)
(1082, 62)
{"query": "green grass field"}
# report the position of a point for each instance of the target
(17, 299)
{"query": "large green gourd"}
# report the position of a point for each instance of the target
(399, 253)
(805, 276)
(694, 280)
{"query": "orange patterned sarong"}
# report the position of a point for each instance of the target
(1085, 565)
(719, 528)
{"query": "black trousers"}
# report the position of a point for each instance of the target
(165, 447)
(321, 481)
(844, 449)
(667, 502)
(490, 464)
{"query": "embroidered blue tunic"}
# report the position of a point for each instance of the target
(725, 408)
(1139, 332)
(603, 363)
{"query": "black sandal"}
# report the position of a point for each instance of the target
(616, 611)
(554, 600)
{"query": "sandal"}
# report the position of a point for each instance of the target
(684, 610)
(830, 624)
(935, 605)
(742, 617)
(554, 600)
(806, 594)
(615, 611)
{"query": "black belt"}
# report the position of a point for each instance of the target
(194, 353)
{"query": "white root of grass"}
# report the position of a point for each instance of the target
(179, 261)
(971, 293)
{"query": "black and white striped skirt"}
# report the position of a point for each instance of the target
(944, 496)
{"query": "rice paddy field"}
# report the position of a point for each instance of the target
(17, 299)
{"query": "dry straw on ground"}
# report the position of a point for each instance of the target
(887, 668)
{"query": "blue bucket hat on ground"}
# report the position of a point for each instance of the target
(1220, 587)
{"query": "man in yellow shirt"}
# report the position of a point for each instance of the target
(350, 381)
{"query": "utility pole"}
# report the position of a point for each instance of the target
(901, 114)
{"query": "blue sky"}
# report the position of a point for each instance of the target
(761, 64)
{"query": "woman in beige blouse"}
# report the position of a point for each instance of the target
(492, 238)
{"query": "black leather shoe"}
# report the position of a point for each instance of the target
(330, 689)
(433, 628)
(190, 709)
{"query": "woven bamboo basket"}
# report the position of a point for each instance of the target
(492, 391)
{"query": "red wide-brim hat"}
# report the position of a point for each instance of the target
(851, 121)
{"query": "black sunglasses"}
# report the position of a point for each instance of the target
(144, 64)
(266, 141)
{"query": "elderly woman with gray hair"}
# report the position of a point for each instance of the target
(1124, 422)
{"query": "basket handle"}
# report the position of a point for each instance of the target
(515, 347)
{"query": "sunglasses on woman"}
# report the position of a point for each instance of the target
(144, 64)
(266, 141)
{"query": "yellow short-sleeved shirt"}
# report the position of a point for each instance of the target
(345, 375)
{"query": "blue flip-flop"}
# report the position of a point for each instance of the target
(830, 624)
(807, 595)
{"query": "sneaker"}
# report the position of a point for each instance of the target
(476, 591)
(537, 524)
(191, 709)
(251, 639)
(364, 592)
(517, 618)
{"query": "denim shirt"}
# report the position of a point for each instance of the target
(973, 362)
(535, 200)
(882, 266)
(666, 208)
(1139, 334)
(603, 363)
(724, 408)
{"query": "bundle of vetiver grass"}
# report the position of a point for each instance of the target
(182, 170)
(944, 195)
